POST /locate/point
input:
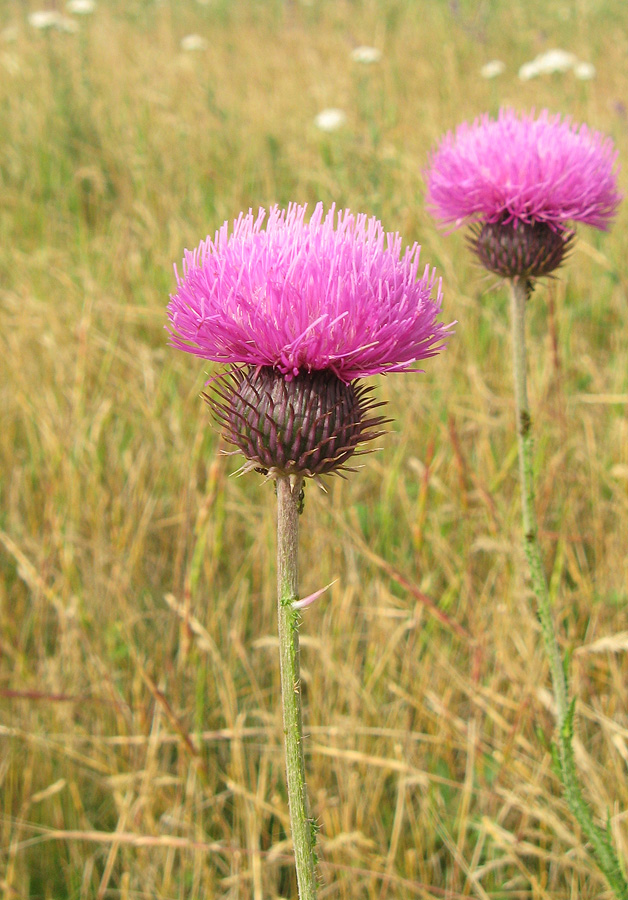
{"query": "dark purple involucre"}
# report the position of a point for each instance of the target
(332, 294)
(523, 169)
(309, 425)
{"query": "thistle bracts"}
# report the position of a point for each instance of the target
(310, 425)
(519, 249)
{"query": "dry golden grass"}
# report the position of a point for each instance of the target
(140, 734)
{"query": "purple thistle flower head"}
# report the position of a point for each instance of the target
(519, 168)
(299, 310)
(333, 293)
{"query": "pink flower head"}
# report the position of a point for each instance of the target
(519, 168)
(334, 293)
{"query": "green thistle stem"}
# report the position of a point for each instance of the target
(303, 832)
(600, 839)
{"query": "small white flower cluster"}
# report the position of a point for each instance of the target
(81, 7)
(330, 119)
(585, 71)
(545, 64)
(47, 19)
(556, 61)
(492, 69)
(194, 42)
(366, 55)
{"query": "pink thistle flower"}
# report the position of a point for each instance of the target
(518, 168)
(306, 308)
(520, 180)
(306, 296)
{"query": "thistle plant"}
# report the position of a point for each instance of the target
(299, 312)
(521, 183)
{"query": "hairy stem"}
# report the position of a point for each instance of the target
(599, 838)
(303, 831)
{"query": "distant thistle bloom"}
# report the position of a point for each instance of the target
(522, 180)
(299, 310)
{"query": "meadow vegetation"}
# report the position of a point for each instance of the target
(140, 728)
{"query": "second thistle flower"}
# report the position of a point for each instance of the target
(521, 181)
(299, 311)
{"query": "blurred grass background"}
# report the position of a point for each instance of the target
(140, 733)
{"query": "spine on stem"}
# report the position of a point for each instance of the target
(303, 832)
(599, 838)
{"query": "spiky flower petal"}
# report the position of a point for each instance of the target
(519, 168)
(333, 293)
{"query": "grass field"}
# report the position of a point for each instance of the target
(140, 729)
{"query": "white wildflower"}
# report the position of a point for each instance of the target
(81, 7)
(366, 55)
(492, 69)
(330, 119)
(547, 63)
(585, 71)
(44, 19)
(193, 42)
